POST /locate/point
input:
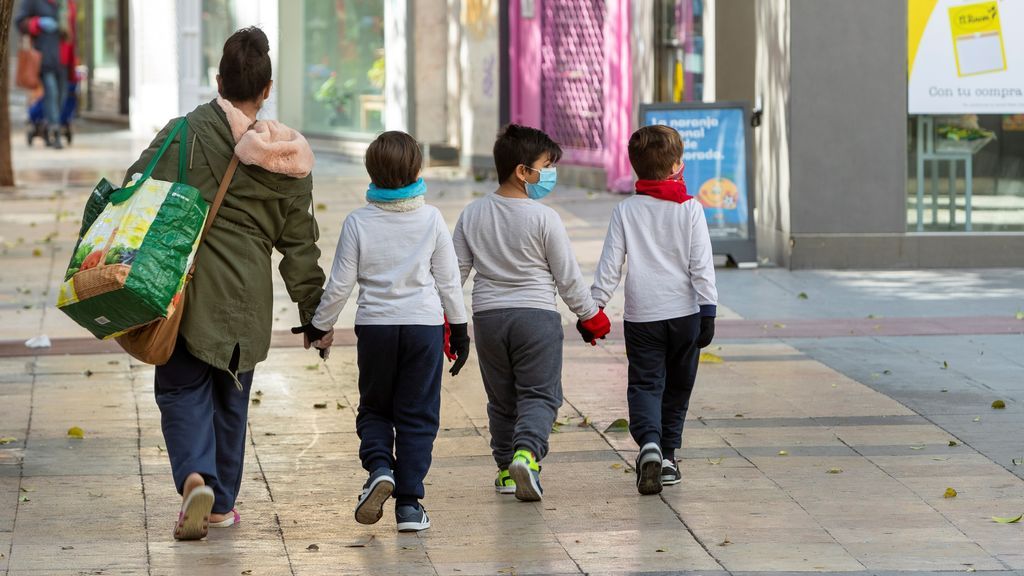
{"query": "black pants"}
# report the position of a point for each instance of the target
(663, 358)
(399, 401)
(203, 416)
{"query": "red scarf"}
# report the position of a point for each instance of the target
(671, 190)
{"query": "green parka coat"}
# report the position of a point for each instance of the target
(229, 302)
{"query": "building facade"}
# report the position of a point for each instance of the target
(837, 151)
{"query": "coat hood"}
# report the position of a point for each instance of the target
(277, 159)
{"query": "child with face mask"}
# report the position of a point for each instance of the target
(522, 257)
(671, 298)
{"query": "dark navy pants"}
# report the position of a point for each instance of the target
(399, 401)
(663, 358)
(203, 416)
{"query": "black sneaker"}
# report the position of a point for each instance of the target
(411, 518)
(648, 469)
(376, 491)
(670, 473)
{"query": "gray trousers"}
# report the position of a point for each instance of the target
(520, 356)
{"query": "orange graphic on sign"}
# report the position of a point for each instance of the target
(719, 193)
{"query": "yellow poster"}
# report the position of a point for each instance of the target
(977, 38)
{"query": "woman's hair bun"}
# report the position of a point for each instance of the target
(245, 69)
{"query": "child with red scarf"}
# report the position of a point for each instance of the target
(671, 299)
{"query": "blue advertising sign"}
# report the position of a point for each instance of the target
(716, 154)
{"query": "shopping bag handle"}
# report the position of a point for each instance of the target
(182, 128)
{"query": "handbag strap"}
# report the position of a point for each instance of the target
(127, 192)
(225, 182)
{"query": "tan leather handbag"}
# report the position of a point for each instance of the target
(29, 63)
(154, 343)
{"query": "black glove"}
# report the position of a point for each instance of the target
(707, 331)
(459, 341)
(313, 334)
(588, 336)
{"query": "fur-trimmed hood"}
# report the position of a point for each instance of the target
(268, 144)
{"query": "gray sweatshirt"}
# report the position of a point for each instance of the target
(404, 265)
(522, 254)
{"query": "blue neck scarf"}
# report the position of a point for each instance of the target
(417, 188)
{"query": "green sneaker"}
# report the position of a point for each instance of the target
(503, 483)
(525, 472)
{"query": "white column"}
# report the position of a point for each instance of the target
(396, 71)
(153, 49)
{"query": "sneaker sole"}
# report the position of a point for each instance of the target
(670, 481)
(526, 488)
(413, 526)
(505, 490)
(371, 509)
(649, 475)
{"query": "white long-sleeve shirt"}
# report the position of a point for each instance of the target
(405, 267)
(671, 271)
(522, 255)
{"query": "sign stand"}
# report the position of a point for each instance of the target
(718, 152)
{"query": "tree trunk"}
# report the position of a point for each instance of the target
(6, 167)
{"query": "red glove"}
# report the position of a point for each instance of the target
(597, 327)
(448, 340)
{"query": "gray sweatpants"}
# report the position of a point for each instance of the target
(520, 356)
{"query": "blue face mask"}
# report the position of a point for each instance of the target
(544, 186)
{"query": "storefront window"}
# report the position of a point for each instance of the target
(344, 64)
(218, 23)
(680, 50)
(952, 156)
(100, 46)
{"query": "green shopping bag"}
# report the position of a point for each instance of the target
(129, 266)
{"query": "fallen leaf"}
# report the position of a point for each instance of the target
(660, 550)
(949, 493)
(737, 415)
(725, 542)
(585, 422)
(24, 499)
(710, 358)
(312, 366)
(1008, 519)
(940, 459)
(7, 440)
(835, 470)
(96, 495)
(313, 548)
(259, 392)
(256, 401)
(953, 443)
(779, 325)
(67, 547)
(886, 372)
(320, 405)
(76, 432)
(37, 253)
(160, 449)
(339, 405)
(616, 466)
(321, 207)
(714, 461)
(246, 572)
(88, 373)
(783, 453)
(945, 365)
(977, 419)
(1018, 461)
(917, 447)
(620, 425)
(802, 296)
(998, 404)
(26, 490)
(113, 363)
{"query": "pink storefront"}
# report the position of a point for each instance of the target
(573, 67)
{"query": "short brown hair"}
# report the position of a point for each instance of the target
(393, 160)
(653, 150)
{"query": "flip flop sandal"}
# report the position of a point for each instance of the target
(235, 518)
(194, 518)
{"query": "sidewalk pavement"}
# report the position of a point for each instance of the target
(833, 413)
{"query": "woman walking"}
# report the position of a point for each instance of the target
(203, 392)
(51, 25)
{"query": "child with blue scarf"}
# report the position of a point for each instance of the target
(399, 251)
